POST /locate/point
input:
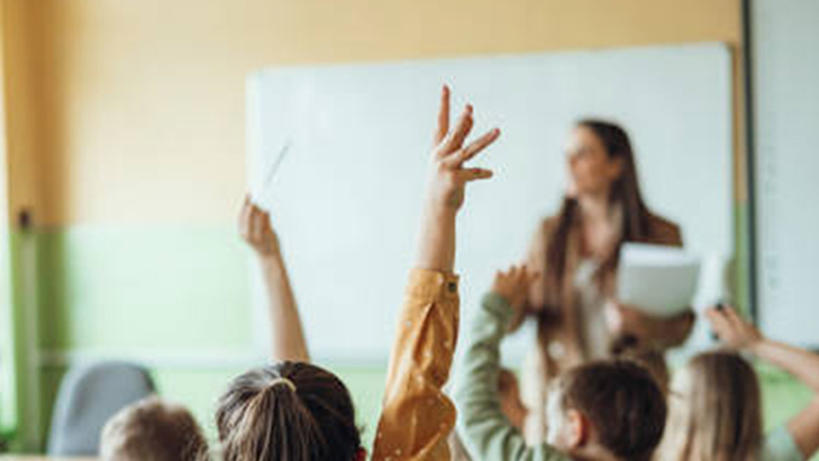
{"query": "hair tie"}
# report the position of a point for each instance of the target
(284, 381)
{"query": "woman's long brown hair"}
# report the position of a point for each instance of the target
(625, 192)
(262, 418)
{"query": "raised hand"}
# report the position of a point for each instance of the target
(513, 285)
(625, 320)
(449, 176)
(732, 330)
(256, 230)
(288, 342)
(445, 190)
(737, 333)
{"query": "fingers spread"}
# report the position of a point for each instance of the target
(475, 147)
(734, 318)
(515, 270)
(523, 277)
(443, 116)
(718, 321)
(454, 139)
(473, 174)
(533, 274)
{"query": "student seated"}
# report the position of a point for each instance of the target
(715, 408)
(152, 430)
(606, 410)
(294, 410)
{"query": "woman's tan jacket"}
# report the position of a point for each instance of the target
(559, 324)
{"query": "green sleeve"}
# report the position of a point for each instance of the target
(485, 430)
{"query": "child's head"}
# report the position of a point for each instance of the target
(290, 410)
(606, 409)
(152, 429)
(714, 410)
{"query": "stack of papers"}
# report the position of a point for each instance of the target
(656, 279)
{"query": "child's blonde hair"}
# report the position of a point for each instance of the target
(152, 430)
(714, 411)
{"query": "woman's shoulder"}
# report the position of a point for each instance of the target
(663, 231)
(543, 233)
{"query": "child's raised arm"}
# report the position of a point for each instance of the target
(288, 335)
(445, 187)
(485, 429)
(417, 417)
(736, 333)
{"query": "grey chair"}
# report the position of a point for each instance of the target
(88, 397)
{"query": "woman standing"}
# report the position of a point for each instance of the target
(576, 253)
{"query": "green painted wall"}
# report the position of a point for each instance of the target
(199, 389)
(175, 294)
(8, 395)
(125, 288)
(742, 250)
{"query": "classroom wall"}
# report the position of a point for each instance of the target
(144, 100)
(126, 142)
(7, 385)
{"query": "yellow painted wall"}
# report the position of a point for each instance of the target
(3, 146)
(133, 111)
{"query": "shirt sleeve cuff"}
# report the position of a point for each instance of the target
(498, 306)
(432, 284)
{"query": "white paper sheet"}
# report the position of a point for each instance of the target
(658, 280)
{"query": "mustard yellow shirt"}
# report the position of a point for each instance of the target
(417, 417)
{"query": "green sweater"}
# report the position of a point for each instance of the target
(485, 430)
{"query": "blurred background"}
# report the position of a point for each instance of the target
(123, 164)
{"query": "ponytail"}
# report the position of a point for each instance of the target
(290, 411)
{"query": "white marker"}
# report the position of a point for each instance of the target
(271, 173)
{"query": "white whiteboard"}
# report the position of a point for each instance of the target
(786, 96)
(347, 197)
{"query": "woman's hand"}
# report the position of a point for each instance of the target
(625, 320)
(256, 230)
(632, 327)
(732, 329)
(513, 285)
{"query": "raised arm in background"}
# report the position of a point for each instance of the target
(287, 333)
(736, 333)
